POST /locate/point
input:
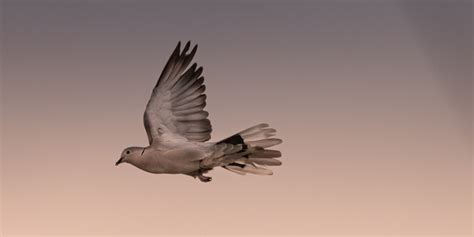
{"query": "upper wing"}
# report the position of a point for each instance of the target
(177, 101)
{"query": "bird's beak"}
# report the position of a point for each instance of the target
(119, 161)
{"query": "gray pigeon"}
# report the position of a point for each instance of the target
(178, 130)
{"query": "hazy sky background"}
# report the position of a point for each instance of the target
(373, 100)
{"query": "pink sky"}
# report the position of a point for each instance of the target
(373, 102)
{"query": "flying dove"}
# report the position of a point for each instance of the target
(178, 130)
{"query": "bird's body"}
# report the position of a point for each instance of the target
(178, 130)
(181, 159)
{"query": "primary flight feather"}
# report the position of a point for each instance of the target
(178, 129)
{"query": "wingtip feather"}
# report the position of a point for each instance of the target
(186, 47)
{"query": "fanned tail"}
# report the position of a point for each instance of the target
(246, 151)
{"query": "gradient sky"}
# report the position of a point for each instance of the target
(373, 100)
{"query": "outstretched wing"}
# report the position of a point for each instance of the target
(176, 106)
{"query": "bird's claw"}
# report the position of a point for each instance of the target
(204, 179)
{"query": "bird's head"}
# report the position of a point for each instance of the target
(129, 155)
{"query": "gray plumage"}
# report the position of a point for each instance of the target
(178, 129)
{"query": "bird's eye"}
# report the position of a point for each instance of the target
(128, 152)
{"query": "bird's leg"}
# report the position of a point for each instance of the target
(200, 174)
(202, 170)
(203, 178)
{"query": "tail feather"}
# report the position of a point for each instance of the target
(249, 168)
(223, 149)
(265, 154)
(261, 134)
(251, 143)
(264, 143)
(265, 161)
(230, 168)
(253, 129)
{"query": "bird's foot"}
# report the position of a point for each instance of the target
(203, 178)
